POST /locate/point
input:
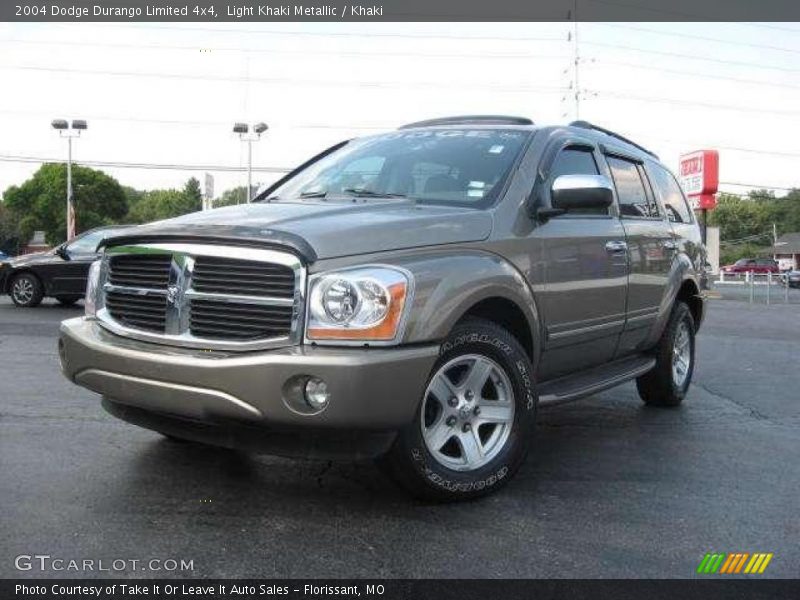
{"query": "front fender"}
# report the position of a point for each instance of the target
(447, 285)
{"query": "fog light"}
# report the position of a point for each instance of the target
(316, 393)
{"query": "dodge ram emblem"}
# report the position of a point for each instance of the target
(172, 294)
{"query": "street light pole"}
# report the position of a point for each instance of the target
(69, 132)
(249, 170)
(243, 129)
(70, 202)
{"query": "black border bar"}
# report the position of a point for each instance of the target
(398, 10)
(406, 589)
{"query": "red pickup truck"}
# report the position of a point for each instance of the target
(756, 265)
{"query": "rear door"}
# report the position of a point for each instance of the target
(586, 268)
(651, 249)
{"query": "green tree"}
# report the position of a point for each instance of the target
(132, 196)
(156, 205)
(9, 230)
(237, 195)
(746, 222)
(194, 195)
(40, 202)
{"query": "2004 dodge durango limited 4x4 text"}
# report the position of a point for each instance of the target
(413, 296)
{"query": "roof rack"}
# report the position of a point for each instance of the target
(587, 125)
(471, 120)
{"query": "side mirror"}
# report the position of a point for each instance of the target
(62, 251)
(570, 192)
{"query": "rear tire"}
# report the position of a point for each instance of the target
(667, 383)
(473, 426)
(26, 290)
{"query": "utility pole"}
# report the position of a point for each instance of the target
(577, 60)
(243, 129)
(65, 131)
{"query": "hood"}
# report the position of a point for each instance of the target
(321, 229)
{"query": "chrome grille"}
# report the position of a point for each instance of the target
(144, 312)
(227, 320)
(140, 270)
(213, 274)
(203, 296)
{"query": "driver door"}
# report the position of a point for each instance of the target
(586, 277)
(69, 275)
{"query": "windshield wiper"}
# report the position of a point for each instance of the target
(314, 194)
(371, 193)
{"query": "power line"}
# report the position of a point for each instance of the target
(305, 52)
(701, 38)
(139, 165)
(287, 80)
(389, 84)
(691, 73)
(368, 128)
(723, 147)
(676, 102)
(346, 34)
(105, 117)
(691, 57)
(757, 186)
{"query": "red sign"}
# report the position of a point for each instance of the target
(699, 176)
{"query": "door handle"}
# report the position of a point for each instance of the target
(616, 247)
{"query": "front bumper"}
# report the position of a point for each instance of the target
(374, 389)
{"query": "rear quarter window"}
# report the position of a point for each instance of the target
(670, 194)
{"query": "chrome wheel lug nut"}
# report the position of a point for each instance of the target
(469, 395)
(453, 401)
(477, 411)
(450, 421)
(467, 427)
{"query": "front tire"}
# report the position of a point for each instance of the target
(26, 290)
(667, 383)
(473, 425)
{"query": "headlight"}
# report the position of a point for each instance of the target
(363, 304)
(90, 302)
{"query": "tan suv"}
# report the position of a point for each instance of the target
(412, 296)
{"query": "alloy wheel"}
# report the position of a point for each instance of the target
(22, 290)
(681, 354)
(467, 412)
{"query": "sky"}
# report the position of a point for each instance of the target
(168, 94)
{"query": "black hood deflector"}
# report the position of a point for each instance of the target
(253, 237)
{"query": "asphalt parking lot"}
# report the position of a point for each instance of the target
(612, 489)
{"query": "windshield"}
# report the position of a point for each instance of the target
(448, 166)
(87, 244)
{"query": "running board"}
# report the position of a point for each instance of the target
(594, 380)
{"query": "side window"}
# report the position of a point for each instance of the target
(633, 198)
(671, 195)
(574, 161)
(577, 161)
